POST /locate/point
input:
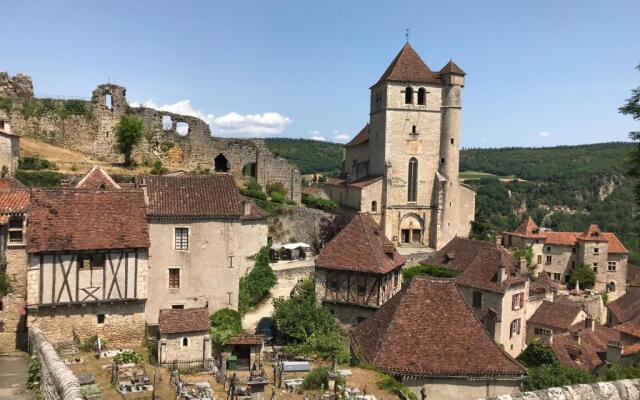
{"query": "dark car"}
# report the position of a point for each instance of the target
(266, 328)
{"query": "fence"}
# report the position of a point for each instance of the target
(190, 367)
(57, 382)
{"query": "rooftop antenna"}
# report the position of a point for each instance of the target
(406, 34)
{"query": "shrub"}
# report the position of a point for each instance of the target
(224, 324)
(253, 185)
(278, 197)
(33, 377)
(158, 168)
(91, 344)
(536, 354)
(75, 107)
(39, 178)
(5, 281)
(128, 357)
(255, 286)
(427, 270)
(316, 379)
(254, 194)
(129, 131)
(6, 104)
(276, 187)
(31, 108)
(584, 275)
(320, 203)
(35, 163)
(166, 146)
(546, 376)
(389, 383)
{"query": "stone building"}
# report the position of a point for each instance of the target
(358, 271)
(402, 167)
(553, 318)
(559, 253)
(14, 205)
(247, 348)
(202, 233)
(9, 149)
(88, 264)
(433, 342)
(493, 285)
(184, 335)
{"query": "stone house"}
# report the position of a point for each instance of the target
(559, 253)
(183, 335)
(357, 271)
(494, 286)
(247, 348)
(14, 205)
(202, 233)
(554, 318)
(433, 342)
(88, 264)
(402, 167)
(9, 148)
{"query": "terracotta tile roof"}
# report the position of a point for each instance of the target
(633, 274)
(615, 245)
(183, 320)
(626, 307)
(360, 138)
(427, 329)
(478, 262)
(193, 197)
(451, 68)
(335, 181)
(556, 315)
(82, 219)
(541, 285)
(593, 232)
(360, 183)
(97, 178)
(255, 212)
(310, 190)
(560, 238)
(407, 66)
(246, 338)
(528, 228)
(12, 184)
(631, 349)
(14, 196)
(631, 327)
(585, 355)
(360, 246)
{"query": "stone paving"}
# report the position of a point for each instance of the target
(13, 377)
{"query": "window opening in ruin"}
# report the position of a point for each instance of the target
(101, 318)
(220, 163)
(250, 169)
(422, 96)
(182, 128)
(167, 123)
(412, 189)
(108, 101)
(451, 140)
(408, 95)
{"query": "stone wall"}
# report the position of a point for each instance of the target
(57, 382)
(177, 140)
(13, 316)
(301, 224)
(626, 389)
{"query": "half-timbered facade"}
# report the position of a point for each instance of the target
(358, 271)
(87, 264)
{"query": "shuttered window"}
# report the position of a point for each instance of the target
(174, 278)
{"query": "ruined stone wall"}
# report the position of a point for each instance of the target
(13, 316)
(626, 389)
(181, 141)
(301, 224)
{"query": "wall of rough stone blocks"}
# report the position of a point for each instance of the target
(13, 334)
(301, 224)
(627, 389)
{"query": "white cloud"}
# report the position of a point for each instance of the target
(544, 134)
(319, 138)
(340, 137)
(230, 124)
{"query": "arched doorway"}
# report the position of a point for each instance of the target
(411, 229)
(220, 163)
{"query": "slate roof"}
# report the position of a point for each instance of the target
(360, 138)
(360, 246)
(427, 329)
(407, 66)
(14, 196)
(626, 307)
(214, 196)
(556, 315)
(97, 178)
(183, 320)
(478, 262)
(82, 219)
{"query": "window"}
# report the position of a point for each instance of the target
(413, 130)
(542, 331)
(573, 250)
(611, 287)
(422, 96)
(374, 206)
(557, 277)
(595, 268)
(573, 264)
(451, 140)
(612, 266)
(108, 101)
(515, 328)
(333, 283)
(182, 238)
(412, 190)
(177, 306)
(596, 250)
(16, 230)
(174, 278)
(477, 299)
(442, 160)
(548, 259)
(408, 95)
(101, 318)
(167, 123)
(517, 301)
(185, 342)
(182, 128)
(548, 249)
(539, 259)
(362, 286)
(91, 261)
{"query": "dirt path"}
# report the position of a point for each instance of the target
(13, 377)
(282, 289)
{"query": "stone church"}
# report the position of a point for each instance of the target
(403, 166)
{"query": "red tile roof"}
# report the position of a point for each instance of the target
(589, 352)
(255, 212)
(593, 232)
(214, 196)
(626, 307)
(12, 184)
(451, 68)
(14, 196)
(407, 66)
(82, 219)
(246, 338)
(360, 138)
(556, 315)
(560, 238)
(183, 320)
(631, 327)
(359, 184)
(360, 246)
(97, 178)
(478, 262)
(540, 285)
(427, 329)
(528, 228)
(615, 245)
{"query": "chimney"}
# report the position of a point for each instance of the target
(65, 183)
(502, 273)
(141, 183)
(247, 208)
(614, 351)
(522, 262)
(576, 336)
(589, 323)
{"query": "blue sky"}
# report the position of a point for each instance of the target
(540, 72)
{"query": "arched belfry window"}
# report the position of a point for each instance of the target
(412, 189)
(422, 96)
(408, 95)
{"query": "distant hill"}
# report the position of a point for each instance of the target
(308, 155)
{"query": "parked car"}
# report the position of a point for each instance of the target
(266, 328)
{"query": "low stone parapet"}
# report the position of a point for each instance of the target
(626, 389)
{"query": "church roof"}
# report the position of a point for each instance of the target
(409, 67)
(360, 138)
(452, 68)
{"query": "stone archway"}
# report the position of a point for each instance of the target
(411, 229)
(220, 163)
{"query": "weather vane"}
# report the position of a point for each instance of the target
(406, 34)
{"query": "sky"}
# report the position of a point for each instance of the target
(539, 73)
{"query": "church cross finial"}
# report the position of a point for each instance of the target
(406, 34)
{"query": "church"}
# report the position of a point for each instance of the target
(403, 166)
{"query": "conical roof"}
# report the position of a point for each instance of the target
(409, 67)
(452, 68)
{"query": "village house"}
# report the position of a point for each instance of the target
(88, 264)
(559, 253)
(9, 149)
(184, 335)
(202, 234)
(554, 318)
(14, 204)
(246, 348)
(541, 289)
(433, 342)
(403, 166)
(357, 271)
(495, 287)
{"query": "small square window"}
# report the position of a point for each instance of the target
(612, 266)
(101, 318)
(596, 250)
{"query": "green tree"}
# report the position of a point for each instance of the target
(632, 107)
(255, 286)
(583, 275)
(527, 253)
(129, 132)
(549, 375)
(224, 324)
(537, 354)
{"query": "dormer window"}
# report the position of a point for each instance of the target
(422, 96)
(408, 95)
